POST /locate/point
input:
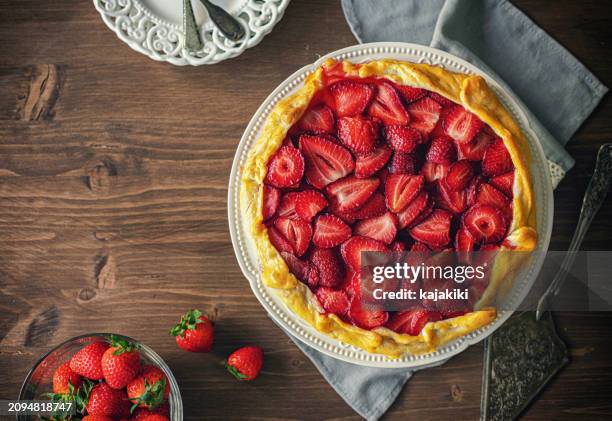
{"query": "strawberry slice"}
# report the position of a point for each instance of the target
(366, 319)
(330, 231)
(442, 150)
(382, 228)
(442, 100)
(496, 160)
(309, 203)
(296, 266)
(287, 205)
(424, 115)
(504, 182)
(278, 241)
(350, 97)
(357, 133)
(368, 164)
(459, 175)
(271, 200)
(351, 193)
(454, 201)
(387, 106)
(432, 171)
(434, 230)
(375, 206)
(411, 322)
(489, 195)
(403, 163)
(462, 125)
(403, 138)
(464, 242)
(286, 167)
(351, 250)
(472, 190)
(313, 277)
(297, 232)
(397, 246)
(326, 161)
(328, 265)
(318, 120)
(400, 189)
(410, 93)
(333, 301)
(474, 150)
(487, 224)
(413, 210)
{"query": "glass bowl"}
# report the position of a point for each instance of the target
(39, 380)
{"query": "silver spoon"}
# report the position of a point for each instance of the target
(227, 24)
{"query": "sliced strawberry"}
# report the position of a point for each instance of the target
(442, 150)
(400, 189)
(442, 100)
(397, 246)
(287, 205)
(313, 277)
(434, 230)
(496, 160)
(279, 242)
(271, 200)
(403, 138)
(351, 193)
(403, 163)
(352, 283)
(411, 322)
(309, 203)
(413, 210)
(474, 150)
(326, 161)
(432, 171)
(333, 301)
(410, 93)
(352, 248)
(350, 97)
(286, 167)
(366, 319)
(464, 242)
(387, 106)
(375, 206)
(472, 190)
(462, 125)
(297, 232)
(330, 231)
(504, 182)
(487, 224)
(329, 266)
(454, 201)
(424, 115)
(318, 120)
(296, 266)
(357, 133)
(489, 195)
(368, 164)
(382, 228)
(459, 175)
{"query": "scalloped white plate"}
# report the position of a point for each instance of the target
(155, 28)
(247, 256)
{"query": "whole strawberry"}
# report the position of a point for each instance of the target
(120, 362)
(141, 413)
(66, 381)
(104, 400)
(245, 363)
(194, 332)
(87, 362)
(149, 389)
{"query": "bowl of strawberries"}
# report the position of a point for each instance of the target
(106, 377)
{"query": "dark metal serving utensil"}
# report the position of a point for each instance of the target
(227, 24)
(193, 40)
(525, 352)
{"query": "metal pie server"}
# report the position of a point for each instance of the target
(526, 352)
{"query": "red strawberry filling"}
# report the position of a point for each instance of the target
(375, 166)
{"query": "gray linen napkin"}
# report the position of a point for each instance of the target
(554, 89)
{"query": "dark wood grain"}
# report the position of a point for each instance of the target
(113, 182)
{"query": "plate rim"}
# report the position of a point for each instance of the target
(454, 348)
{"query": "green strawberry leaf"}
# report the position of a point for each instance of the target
(189, 321)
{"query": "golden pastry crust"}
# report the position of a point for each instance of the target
(470, 91)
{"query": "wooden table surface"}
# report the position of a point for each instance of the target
(113, 178)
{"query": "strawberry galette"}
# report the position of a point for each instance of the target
(385, 156)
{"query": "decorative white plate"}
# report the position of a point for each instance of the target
(155, 27)
(247, 256)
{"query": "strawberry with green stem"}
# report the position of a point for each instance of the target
(245, 363)
(194, 332)
(149, 389)
(120, 362)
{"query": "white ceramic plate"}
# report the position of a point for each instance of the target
(155, 28)
(247, 256)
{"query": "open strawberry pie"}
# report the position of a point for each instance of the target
(385, 156)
